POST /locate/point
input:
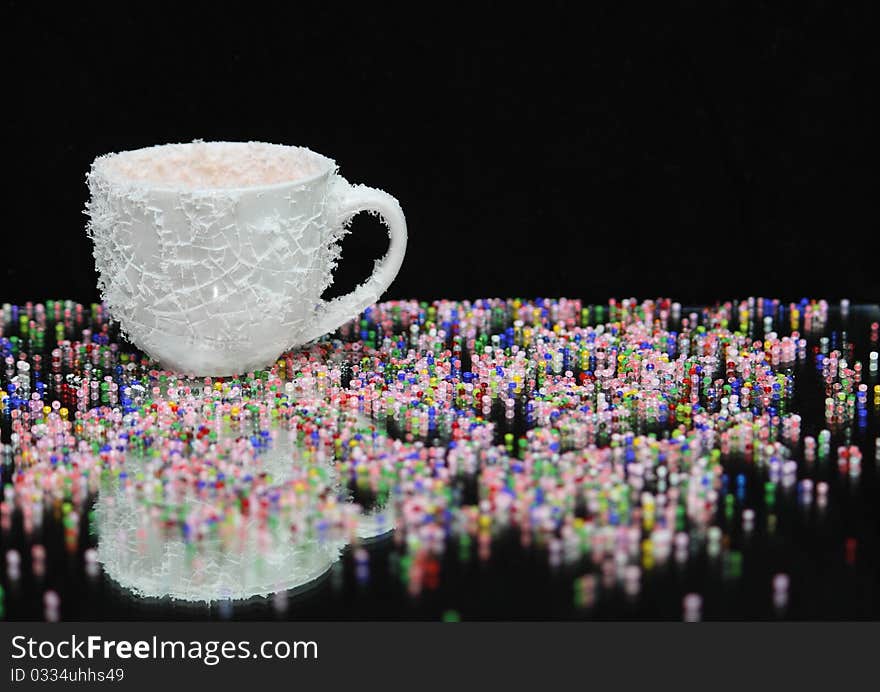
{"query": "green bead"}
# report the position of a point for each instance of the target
(770, 493)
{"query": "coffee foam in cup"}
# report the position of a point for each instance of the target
(197, 165)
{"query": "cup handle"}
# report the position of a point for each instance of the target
(353, 200)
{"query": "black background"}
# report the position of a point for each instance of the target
(697, 151)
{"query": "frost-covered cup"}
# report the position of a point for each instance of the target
(213, 256)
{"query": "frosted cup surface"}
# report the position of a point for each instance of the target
(213, 256)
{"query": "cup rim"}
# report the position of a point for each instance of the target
(99, 167)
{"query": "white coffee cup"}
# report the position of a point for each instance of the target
(213, 256)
